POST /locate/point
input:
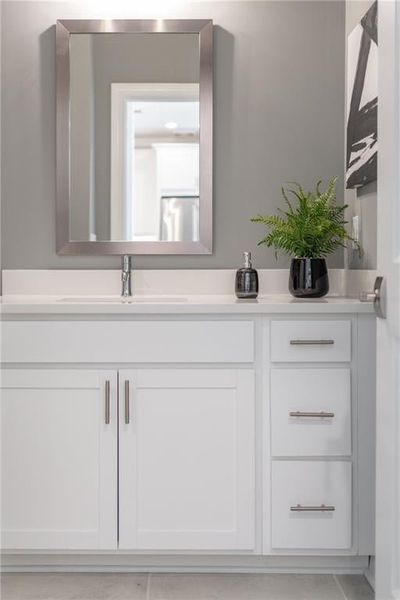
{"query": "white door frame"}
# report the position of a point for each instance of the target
(388, 339)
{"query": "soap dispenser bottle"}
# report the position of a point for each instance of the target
(246, 284)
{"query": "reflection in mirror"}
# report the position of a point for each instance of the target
(133, 129)
(155, 162)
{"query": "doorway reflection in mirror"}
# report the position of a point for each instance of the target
(155, 162)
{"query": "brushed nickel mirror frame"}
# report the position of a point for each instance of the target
(64, 29)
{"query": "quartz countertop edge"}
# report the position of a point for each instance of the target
(202, 304)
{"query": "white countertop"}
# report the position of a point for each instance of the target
(172, 305)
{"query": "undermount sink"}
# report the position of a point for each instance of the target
(121, 300)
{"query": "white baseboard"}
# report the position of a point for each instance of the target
(183, 564)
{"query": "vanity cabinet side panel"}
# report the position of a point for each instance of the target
(366, 422)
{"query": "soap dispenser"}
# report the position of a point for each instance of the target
(246, 285)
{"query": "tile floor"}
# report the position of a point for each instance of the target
(183, 587)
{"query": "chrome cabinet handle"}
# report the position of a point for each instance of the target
(317, 415)
(312, 342)
(321, 508)
(107, 403)
(127, 415)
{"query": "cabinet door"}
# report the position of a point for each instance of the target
(187, 447)
(59, 459)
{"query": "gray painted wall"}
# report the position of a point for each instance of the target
(1, 263)
(362, 202)
(279, 106)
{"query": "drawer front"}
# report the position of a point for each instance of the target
(128, 341)
(311, 505)
(311, 412)
(310, 341)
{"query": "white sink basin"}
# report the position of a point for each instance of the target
(121, 300)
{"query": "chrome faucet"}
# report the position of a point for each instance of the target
(126, 276)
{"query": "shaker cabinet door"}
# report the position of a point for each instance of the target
(186, 459)
(59, 459)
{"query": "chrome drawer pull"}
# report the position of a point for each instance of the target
(321, 508)
(107, 403)
(127, 414)
(312, 342)
(317, 415)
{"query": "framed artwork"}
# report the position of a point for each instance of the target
(362, 101)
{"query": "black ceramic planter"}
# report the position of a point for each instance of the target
(308, 278)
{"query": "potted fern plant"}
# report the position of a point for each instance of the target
(310, 228)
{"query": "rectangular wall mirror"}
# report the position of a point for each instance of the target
(134, 137)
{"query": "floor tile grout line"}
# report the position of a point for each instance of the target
(339, 585)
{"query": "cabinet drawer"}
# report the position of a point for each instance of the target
(310, 341)
(298, 396)
(311, 505)
(128, 341)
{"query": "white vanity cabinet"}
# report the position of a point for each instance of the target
(184, 436)
(59, 459)
(320, 412)
(311, 427)
(198, 434)
(186, 459)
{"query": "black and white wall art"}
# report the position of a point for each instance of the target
(362, 101)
